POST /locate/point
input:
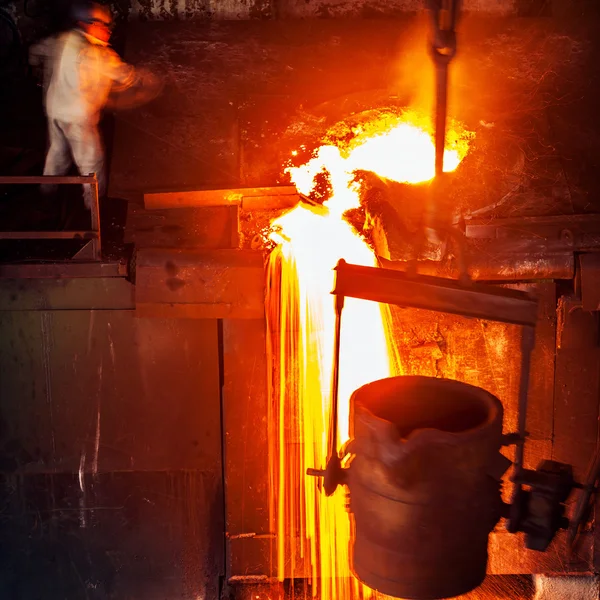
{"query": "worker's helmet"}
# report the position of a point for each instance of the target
(92, 13)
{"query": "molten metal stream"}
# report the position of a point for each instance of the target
(313, 531)
(305, 354)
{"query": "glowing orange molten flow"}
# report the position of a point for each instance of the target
(313, 531)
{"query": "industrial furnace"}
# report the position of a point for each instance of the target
(161, 405)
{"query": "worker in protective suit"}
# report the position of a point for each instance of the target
(80, 70)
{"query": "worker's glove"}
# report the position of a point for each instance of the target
(147, 87)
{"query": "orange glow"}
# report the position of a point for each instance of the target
(398, 147)
(313, 530)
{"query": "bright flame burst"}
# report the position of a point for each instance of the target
(313, 531)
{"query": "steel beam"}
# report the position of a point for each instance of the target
(227, 197)
(46, 179)
(63, 270)
(434, 293)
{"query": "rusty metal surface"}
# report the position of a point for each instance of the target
(509, 556)
(589, 273)
(437, 294)
(492, 267)
(487, 354)
(577, 387)
(584, 507)
(424, 484)
(233, 280)
(496, 249)
(454, 347)
(540, 408)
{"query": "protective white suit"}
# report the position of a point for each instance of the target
(79, 73)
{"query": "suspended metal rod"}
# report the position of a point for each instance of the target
(444, 14)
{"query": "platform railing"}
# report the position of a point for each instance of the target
(92, 249)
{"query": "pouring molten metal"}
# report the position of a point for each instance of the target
(312, 529)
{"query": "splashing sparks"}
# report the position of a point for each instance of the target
(313, 530)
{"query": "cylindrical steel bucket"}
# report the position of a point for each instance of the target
(424, 485)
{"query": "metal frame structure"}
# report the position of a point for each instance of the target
(538, 500)
(464, 298)
(92, 250)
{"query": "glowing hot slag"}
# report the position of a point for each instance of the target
(311, 527)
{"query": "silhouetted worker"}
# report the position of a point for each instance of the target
(80, 71)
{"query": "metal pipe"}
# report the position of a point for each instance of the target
(333, 474)
(444, 14)
(527, 344)
(335, 379)
(516, 510)
(441, 115)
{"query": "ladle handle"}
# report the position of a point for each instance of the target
(335, 379)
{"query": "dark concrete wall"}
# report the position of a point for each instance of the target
(240, 9)
(260, 9)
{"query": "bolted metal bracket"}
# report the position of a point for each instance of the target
(539, 511)
(333, 475)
